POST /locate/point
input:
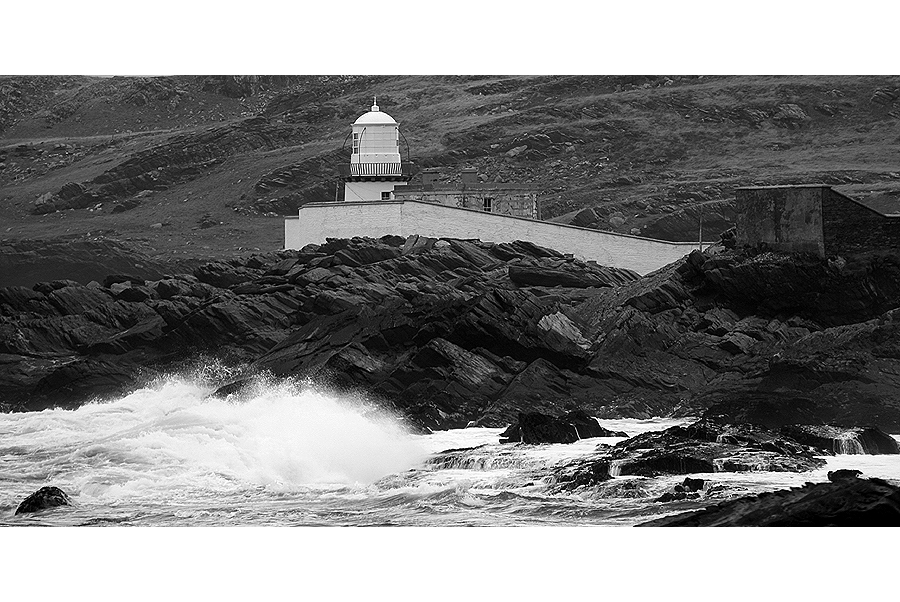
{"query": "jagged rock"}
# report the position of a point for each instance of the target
(222, 275)
(790, 116)
(365, 255)
(450, 333)
(737, 342)
(534, 427)
(884, 96)
(586, 218)
(71, 196)
(847, 502)
(700, 447)
(48, 287)
(532, 275)
(562, 333)
(43, 498)
(688, 489)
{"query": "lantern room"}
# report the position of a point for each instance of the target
(375, 164)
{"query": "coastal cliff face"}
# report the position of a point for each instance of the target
(451, 332)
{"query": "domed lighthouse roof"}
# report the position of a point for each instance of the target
(375, 117)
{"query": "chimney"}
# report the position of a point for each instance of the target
(469, 175)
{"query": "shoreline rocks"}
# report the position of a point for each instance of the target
(701, 447)
(455, 332)
(845, 501)
(43, 498)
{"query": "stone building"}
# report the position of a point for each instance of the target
(502, 198)
(812, 219)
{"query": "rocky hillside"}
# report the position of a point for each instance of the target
(195, 167)
(453, 332)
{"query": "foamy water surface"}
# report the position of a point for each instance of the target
(291, 455)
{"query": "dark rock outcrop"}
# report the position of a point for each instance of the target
(843, 474)
(835, 440)
(688, 489)
(43, 498)
(847, 501)
(453, 332)
(534, 427)
(701, 447)
(704, 447)
(433, 326)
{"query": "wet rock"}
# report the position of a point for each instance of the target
(843, 474)
(43, 498)
(693, 484)
(535, 428)
(580, 474)
(842, 440)
(688, 489)
(233, 388)
(701, 447)
(846, 502)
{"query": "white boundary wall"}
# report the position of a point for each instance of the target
(318, 221)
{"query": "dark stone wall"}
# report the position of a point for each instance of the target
(503, 201)
(781, 218)
(850, 227)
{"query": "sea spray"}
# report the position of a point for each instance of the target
(173, 439)
(848, 444)
(93, 454)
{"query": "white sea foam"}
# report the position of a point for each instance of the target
(283, 454)
(173, 438)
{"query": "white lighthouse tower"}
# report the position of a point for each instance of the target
(375, 167)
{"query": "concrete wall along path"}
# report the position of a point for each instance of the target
(319, 221)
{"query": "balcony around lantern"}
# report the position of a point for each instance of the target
(377, 170)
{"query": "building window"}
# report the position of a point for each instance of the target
(487, 204)
(386, 196)
(355, 144)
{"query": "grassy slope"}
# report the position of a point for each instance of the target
(651, 139)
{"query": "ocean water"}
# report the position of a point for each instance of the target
(289, 454)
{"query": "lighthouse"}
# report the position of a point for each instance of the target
(375, 167)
